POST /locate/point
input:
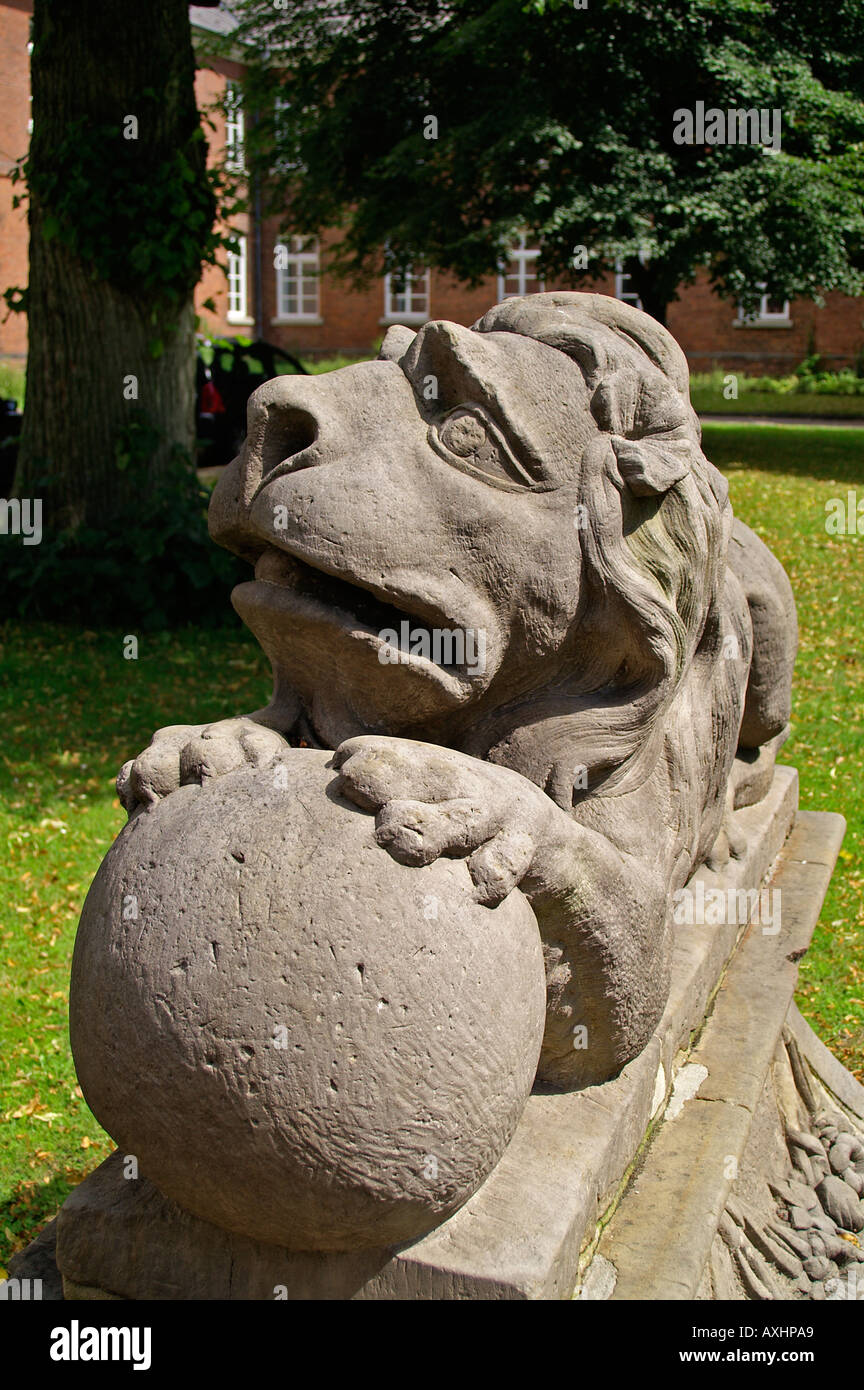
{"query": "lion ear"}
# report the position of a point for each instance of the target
(640, 411)
(652, 466)
(396, 342)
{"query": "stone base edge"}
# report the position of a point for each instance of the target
(730, 1200)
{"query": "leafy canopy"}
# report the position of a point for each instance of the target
(561, 120)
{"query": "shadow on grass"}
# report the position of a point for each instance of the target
(827, 454)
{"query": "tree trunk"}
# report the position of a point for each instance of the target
(655, 287)
(107, 348)
(654, 300)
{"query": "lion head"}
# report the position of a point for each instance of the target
(535, 482)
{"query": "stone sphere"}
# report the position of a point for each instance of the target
(300, 1039)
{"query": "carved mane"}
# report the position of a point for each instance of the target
(654, 543)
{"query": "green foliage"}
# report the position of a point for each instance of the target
(807, 379)
(316, 365)
(12, 379)
(822, 383)
(144, 227)
(561, 121)
(152, 566)
(15, 296)
(763, 403)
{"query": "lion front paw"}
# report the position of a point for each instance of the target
(432, 802)
(184, 753)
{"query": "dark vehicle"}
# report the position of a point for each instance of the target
(227, 372)
(10, 434)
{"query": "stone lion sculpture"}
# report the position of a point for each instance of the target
(536, 483)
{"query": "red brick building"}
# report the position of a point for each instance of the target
(275, 288)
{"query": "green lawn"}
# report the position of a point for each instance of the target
(780, 479)
(73, 710)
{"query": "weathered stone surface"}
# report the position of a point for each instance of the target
(725, 1283)
(657, 1240)
(123, 1238)
(754, 998)
(803, 1218)
(661, 1236)
(600, 1283)
(37, 1262)
(300, 1039)
(824, 1243)
(807, 1142)
(795, 1194)
(841, 1204)
(847, 1151)
(796, 1243)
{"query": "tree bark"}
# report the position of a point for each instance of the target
(654, 299)
(101, 61)
(655, 286)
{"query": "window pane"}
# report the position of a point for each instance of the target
(237, 280)
(406, 293)
(297, 280)
(519, 275)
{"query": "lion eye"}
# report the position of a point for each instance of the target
(468, 435)
(464, 435)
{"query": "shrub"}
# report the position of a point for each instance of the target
(153, 566)
(12, 378)
(807, 379)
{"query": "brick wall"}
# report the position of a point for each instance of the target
(14, 138)
(706, 328)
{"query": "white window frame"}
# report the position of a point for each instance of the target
(627, 296)
(235, 128)
(238, 284)
(524, 257)
(765, 317)
(302, 251)
(409, 282)
(30, 87)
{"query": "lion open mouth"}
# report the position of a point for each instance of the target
(358, 610)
